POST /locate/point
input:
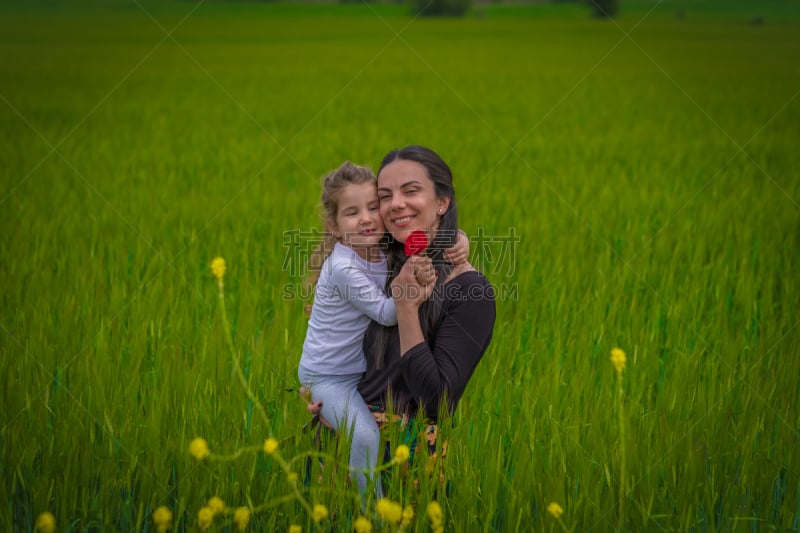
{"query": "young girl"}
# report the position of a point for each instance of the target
(348, 295)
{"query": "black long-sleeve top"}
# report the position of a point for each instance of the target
(429, 371)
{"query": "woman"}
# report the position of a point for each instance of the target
(443, 329)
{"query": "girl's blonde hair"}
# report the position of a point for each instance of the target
(336, 180)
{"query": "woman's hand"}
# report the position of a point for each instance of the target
(305, 394)
(424, 271)
(407, 290)
(312, 407)
(459, 253)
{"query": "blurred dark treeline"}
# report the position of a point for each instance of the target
(459, 8)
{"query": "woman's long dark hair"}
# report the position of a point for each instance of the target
(432, 310)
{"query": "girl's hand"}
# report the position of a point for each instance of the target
(406, 289)
(459, 253)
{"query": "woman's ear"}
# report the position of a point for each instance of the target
(442, 202)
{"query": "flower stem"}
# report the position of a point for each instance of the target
(622, 474)
(235, 356)
(237, 367)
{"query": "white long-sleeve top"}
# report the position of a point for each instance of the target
(348, 295)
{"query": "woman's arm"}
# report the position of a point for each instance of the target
(445, 368)
(408, 295)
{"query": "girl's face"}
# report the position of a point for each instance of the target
(358, 222)
(408, 199)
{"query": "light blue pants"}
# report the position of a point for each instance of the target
(343, 407)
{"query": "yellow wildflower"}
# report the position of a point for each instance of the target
(402, 454)
(319, 513)
(434, 512)
(394, 513)
(218, 268)
(199, 448)
(408, 516)
(618, 359)
(241, 517)
(292, 477)
(294, 528)
(270, 446)
(162, 518)
(362, 525)
(46, 522)
(205, 517)
(555, 509)
(389, 510)
(216, 505)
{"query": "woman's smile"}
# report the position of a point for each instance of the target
(403, 221)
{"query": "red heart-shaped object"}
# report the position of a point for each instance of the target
(416, 243)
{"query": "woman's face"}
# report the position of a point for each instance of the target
(408, 199)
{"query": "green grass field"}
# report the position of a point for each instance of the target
(631, 183)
